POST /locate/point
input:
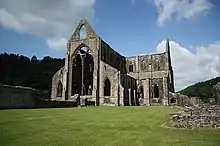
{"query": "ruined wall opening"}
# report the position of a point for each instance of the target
(107, 88)
(83, 32)
(130, 68)
(157, 65)
(143, 65)
(156, 91)
(173, 100)
(59, 89)
(82, 72)
(140, 95)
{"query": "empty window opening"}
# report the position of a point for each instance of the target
(107, 88)
(83, 33)
(156, 91)
(82, 72)
(130, 68)
(59, 89)
(173, 100)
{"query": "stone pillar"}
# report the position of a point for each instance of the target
(65, 75)
(165, 92)
(101, 82)
(129, 90)
(146, 92)
(135, 98)
(121, 95)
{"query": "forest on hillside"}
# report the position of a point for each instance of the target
(203, 90)
(20, 70)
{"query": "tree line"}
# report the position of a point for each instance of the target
(203, 90)
(19, 70)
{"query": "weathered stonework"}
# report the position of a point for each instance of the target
(108, 78)
(216, 93)
(205, 116)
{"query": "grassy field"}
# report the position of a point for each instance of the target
(97, 126)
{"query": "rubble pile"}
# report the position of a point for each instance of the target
(206, 116)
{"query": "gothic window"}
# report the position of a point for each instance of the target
(107, 88)
(83, 33)
(141, 91)
(157, 64)
(156, 91)
(59, 89)
(143, 65)
(130, 68)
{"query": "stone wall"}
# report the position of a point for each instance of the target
(198, 117)
(57, 78)
(16, 97)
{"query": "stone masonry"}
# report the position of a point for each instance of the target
(204, 116)
(98, 73)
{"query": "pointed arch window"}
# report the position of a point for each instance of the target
(143, 65)
(130, 67)
(156, 91)
(107, 87)
(83, 32)
(157, 64)
(59, 89)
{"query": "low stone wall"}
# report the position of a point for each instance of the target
(205, 116)
(13, 97)
(18, 97)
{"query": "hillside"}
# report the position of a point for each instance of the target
(202, 90)
(23, 71)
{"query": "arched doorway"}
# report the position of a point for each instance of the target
(156, 91)
(107, 87)
(59, 89)
(82, 71)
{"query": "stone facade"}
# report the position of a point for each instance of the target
(94, 70)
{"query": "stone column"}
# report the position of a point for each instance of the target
(121, 95)
(82, 61)
(165, 92)
(129, 90)
(135, 98)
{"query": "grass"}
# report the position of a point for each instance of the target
(97, 126)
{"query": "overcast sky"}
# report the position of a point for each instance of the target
(132, 27)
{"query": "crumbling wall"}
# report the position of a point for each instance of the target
(16, 97)
(198, 117)
(57, 78)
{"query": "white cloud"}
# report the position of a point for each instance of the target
(180, 9)
(53, 20)
(190, 68)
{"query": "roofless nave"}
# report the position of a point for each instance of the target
(101, 75)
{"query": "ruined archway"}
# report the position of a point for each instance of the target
(107, 87)
(156, 91)
(173, 100)
(82, 71)
(59, 89)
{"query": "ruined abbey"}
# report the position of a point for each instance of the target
(97, 73)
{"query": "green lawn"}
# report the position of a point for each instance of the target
(99, 126)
